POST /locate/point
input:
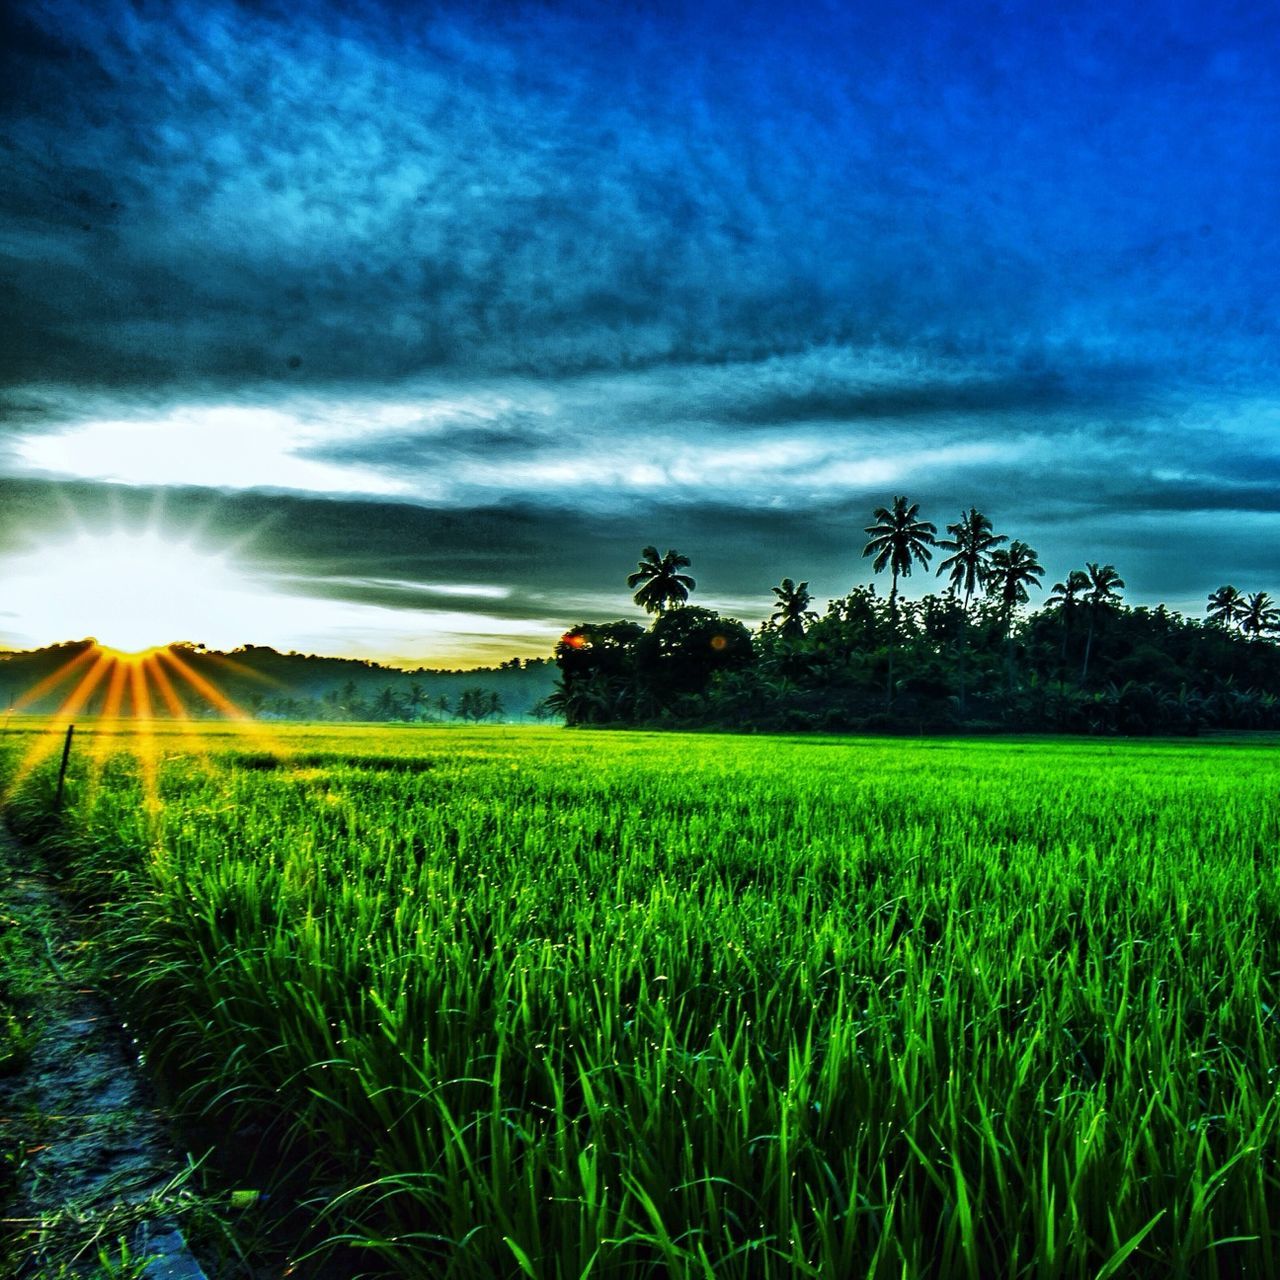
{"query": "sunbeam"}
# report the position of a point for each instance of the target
(123, 695)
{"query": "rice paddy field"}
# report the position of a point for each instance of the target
(530, 1002)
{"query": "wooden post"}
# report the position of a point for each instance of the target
(62, 771)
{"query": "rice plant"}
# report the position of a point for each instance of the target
(535, 1003)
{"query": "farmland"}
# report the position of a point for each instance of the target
(531, 1002)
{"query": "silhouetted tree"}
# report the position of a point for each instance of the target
(661, 584)
(898, 540)
(1227, 606)
(1260, 615)
(1102, 593)
(476, 704)
(597, 664)
(386, 705)
(792, 610)
(1013, 570)
(679, 654)
(1156, 671)
(415, 701)
(971, 543)
(1065, 597)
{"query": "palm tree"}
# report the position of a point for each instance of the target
(387, 705)
(971, 543)
(661, 583)
(898, 539)
(1227, 607)
(415, 701)
(792, 610)
(1101, 594)
(1065, 597)
(1013, 570)
(1260, 615)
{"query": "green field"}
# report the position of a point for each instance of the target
(555, 1004)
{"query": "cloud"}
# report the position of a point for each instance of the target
(484, 298)
(220, 195)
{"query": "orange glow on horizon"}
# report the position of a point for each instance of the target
(139, 685)
(53, 679)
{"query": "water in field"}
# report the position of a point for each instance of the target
(570, 1004)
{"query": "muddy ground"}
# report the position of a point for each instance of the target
(90, 1169)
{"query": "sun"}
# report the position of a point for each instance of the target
(131, 591)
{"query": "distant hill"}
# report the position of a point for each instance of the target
(271, 685)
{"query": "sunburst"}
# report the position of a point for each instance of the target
(132, 692)
(146, 589)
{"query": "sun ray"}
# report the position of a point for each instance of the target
(148, 764)
(240, 669)
(207, 690)
(104, 736)
(219, 700)
(54, 679)
(74, 703)
(115, 688)
(81, 694)
(138, 687)
(167, 692)
(131, 689)
(178, 712)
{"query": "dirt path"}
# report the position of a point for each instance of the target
(94, 1163)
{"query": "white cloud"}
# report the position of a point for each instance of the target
(220, 446)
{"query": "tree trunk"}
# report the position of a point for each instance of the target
(1088, 645)
(893, 640)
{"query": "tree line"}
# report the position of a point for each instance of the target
(971, 656)
(390, 704)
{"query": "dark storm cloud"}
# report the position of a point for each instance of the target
(211, 195)
(461, 437)
(1034, 391)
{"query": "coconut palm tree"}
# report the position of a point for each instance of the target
(792, 610)
(1102, 593)
(1065, 597)
(899, 539)
(1227, 607)
(661, 584)
(416, 700)
(1013, 570)
(971, 544)
(1260, 615)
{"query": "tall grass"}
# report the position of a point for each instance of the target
(633, 1005)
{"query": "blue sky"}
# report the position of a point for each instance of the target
(426, 320)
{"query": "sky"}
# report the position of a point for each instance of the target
(397, 331)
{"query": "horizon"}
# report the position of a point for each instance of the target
(198, 647)
(397, 335)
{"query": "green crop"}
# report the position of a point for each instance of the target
(555, 1005)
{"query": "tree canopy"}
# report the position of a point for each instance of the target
(977, 657)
